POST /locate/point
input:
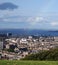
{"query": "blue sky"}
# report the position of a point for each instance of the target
(29, 14)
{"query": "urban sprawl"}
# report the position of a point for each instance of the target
(15, 48)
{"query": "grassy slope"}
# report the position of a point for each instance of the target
(5, 62)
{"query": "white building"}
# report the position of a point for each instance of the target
(7, 46)
(23, 41)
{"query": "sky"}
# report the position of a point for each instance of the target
(29, 14)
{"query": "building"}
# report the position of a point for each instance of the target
(24, 41)
(56, 39)
(1, 45)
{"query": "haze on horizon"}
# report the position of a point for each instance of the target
(29, 14)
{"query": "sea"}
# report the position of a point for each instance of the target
(29, 32)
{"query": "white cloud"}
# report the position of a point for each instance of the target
(35, 19)
(31, 20)
(39, 18)
(12, 19)
(54, 23)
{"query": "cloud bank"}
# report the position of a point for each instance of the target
(8, 6)
(29, 19)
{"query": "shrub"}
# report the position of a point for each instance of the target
(43, 55)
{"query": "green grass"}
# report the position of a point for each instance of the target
(14, 62)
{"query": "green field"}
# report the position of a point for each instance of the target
(5, 62)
